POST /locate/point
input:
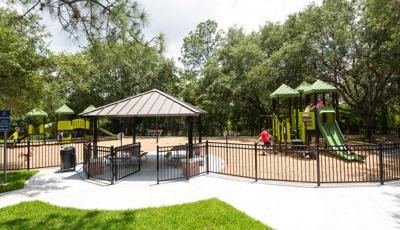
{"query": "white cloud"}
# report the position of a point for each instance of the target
(176, 18)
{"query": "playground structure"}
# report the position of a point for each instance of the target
(71, 126)
(299, 128)
(36, 120)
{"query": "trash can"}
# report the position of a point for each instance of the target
(68, 159)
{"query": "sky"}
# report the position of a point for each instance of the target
(176, 18)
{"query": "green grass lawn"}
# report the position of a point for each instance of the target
(207, 214)
(16, 180)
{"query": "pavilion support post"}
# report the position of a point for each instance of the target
(84, 130)
(199, 128)
(190, 136)
(133, 130)
(157, 130)
(95, 136)
(323, 99)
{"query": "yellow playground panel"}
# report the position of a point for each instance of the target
(35, 129)
(80, 124)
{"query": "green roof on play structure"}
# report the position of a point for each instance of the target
(64, 110)
(284, 91)
(320, 87)
(302, 87)
(88, 109)
(36, 112)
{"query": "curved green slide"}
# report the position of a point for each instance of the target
(105, 131)
(333, 136)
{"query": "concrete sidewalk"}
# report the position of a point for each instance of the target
(281, 207)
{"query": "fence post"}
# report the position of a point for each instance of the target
(89, 157)
(381, 172)
(112, 164)
(255, 161)
(158, 165)
(187, 162)
(207, 159)
(28, 156)
(318, 167)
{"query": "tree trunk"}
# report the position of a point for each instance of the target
(369, 127)
(384, 118)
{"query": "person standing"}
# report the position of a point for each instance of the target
(15, 136)
(265, 137)
(320, 105)
(60, 135)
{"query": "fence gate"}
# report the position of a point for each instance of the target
(109, 163)
(126, 160)
(181, 162)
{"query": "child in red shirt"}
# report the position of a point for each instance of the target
(265, 137)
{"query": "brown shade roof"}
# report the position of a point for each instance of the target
(153, 103)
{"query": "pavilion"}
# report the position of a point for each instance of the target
(153, 103)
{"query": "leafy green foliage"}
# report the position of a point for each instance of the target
(104, 21)
(353, 45)
(22, 57)
(207, 214)
(200, 45)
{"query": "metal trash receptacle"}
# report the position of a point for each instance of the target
(68, 159)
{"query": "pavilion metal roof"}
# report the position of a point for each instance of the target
(36, 112)
(284, 91)
(153, 103)
(64, 110)
(320, 87)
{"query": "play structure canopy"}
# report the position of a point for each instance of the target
(302, 87)
(153, 103)
(36, 112)
(88, 109)
(284, 91)
(320, 87)
(64, 110)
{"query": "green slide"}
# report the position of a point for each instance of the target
(333, 136)
(105, 131)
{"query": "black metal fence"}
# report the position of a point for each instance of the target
(109, 163)
(305, 164)
(38, 154)
(181, 162)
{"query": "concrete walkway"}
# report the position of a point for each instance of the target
(281, 207)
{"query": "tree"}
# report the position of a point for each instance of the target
(95, 20)
(22, 58)
(200, 45)
(350, 54)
